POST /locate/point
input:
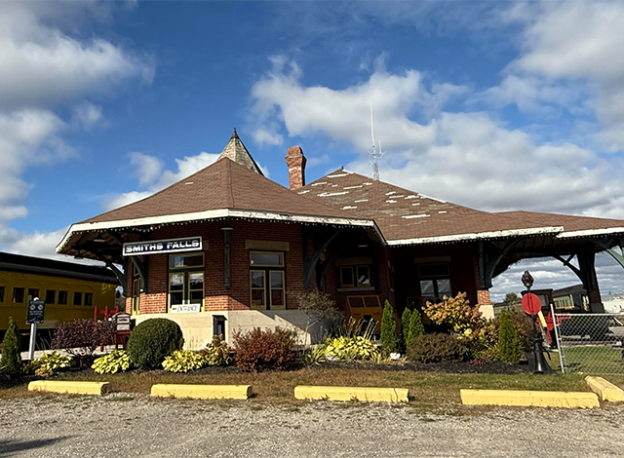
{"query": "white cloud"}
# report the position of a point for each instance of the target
(571, 56)
(344, 115)
(44, 66)
(147, 168)
(88, 115)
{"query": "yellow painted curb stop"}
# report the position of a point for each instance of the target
(605, 390)
(573, 400)
(347, 393)
(202, 391)
(60, 386)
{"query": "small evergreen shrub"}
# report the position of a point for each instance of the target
(217, 353)
(509, 346)
(349, 348)
(416, 328)
(259, 350)
(11, 362)
(117, 361)
(406, 317)
(48, 364)
(152, 341)
(437, 348)
(184, 361)
(388, 330)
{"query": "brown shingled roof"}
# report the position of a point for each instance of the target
(404, 215)
(223, 185)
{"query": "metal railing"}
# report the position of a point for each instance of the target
(589, 343)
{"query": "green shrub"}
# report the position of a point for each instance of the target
(349, 348)
(406, 317)
(11, 362)
(259, 350)
(184, 361)
(437, 348)
(388, 330)
(416, 328)
(152, 341)
(48, 364)
(217, 353)
(509, 346)
(117, 361)
(80, 338)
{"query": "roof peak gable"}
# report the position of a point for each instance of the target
(236, 151)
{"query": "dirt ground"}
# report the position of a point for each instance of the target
(126, 425)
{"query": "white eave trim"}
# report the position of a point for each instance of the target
(478, 236)
(213, 214)
(591, 232)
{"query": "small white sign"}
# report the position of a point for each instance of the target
(186, 308)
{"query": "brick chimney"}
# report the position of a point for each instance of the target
(296, 162)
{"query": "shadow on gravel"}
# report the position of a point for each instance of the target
(10, 447)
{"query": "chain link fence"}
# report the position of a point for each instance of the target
(590, 343)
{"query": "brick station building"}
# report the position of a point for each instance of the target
(228, 249)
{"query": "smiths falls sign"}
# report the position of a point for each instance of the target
(162, 246)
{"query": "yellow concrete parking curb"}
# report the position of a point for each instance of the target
(347, 393)
(202, 391)
(605, 390)
(530, 398)
(60, 386)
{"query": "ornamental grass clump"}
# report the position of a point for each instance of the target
(117, 361)
(152, 341)
(388, 330)
(184, 361)
(269, 349)
(11, 362)
(509, 345)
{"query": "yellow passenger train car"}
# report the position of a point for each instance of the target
(69, 290)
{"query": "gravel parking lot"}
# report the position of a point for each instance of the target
(130, 425)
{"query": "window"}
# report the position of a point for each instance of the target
(186, 279)
(267, 280)
(77, 298)
(33, 293)
(50, 296)
(62, 298)
(1, 294)
(186, 260)
(136, 289)
(88, 299)
(260, 258)
(355, 277)
(435, 281)
(18, 295)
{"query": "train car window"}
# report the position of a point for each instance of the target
(88, 299)
(62, 298)
(18, 295)
(50, 296)
(32, 293)
(1, 294)
(77, 298)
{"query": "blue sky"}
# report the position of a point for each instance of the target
(494, 105)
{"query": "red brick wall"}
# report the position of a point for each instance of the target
(218, 297)
(463, 265)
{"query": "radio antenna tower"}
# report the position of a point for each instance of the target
(376, 153)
